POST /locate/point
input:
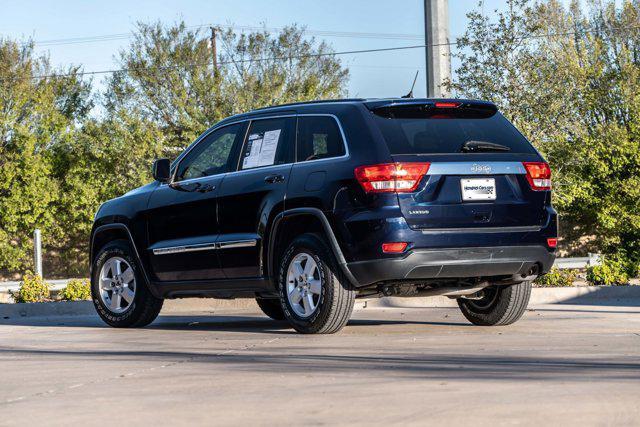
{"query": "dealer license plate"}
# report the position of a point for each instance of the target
(478, 189)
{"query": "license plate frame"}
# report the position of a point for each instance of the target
(478, 189)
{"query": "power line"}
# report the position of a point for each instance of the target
(323, 33)
(241, 61)
(349, 52)
(124, 36)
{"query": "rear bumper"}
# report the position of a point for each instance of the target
(453, 263)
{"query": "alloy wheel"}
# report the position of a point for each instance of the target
(304, 284)
(117, 285)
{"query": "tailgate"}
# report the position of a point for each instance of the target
(482, 173)
(473, 195)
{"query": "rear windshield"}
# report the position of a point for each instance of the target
(444, 133)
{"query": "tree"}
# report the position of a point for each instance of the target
(36, 115)
(569, 79)
(168, 77)
(109, 157)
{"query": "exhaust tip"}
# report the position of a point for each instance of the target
(534, 270)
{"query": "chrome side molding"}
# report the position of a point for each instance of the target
(205, 247)
(237, 244)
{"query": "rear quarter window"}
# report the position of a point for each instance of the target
(447, 133)
(319, 137)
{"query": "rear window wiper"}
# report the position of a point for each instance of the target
(478, 146)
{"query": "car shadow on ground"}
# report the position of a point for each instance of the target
(252, 324)
(223, 323)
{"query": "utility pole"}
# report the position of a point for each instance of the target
(214, 50)
(438, 50)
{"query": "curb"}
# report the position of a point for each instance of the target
(46, 309)
(583, 295)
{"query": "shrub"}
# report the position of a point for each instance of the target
(32, 289)
(630, 262)
(612, 271)
(76, 289)
(633, 268)
(557, 278)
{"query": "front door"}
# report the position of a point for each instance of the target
(255, 193)
(182, 216)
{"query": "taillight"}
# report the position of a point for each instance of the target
(538, 175)
(552, 242)
(391, 177)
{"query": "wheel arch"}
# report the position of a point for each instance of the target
(109, 233)
(300, 220)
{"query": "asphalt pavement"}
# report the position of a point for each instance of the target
(560, 365)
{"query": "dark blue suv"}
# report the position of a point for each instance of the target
(306, 207)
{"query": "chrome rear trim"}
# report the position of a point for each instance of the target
(476, 168)
(517, 229)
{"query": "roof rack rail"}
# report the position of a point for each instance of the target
(317, 101)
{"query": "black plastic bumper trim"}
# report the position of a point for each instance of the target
(453, 263)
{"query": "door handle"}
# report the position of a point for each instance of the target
(273, 179)
(205, 188)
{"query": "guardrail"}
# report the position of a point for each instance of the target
(54, 285)
(578, 262)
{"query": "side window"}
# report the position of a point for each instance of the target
(319, 137)
(269, 142)
(213, 155)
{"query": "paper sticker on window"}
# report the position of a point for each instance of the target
(261, 149)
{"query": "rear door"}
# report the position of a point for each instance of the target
(253, 194)
(477, 175)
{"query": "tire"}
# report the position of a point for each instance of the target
(271, 307)
(502, 305)
(143, 307)
(335, 299)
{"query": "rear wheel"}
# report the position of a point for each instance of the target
(118, 288)
(271, 307)
(315, 296)
(500, 305)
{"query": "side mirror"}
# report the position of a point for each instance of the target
(162, 170)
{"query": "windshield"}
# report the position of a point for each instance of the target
(443, 133)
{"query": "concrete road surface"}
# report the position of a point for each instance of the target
(560, 365)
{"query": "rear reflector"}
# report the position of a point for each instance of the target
(391, 177)
(552, 242)
(538, 175)
(394, 248)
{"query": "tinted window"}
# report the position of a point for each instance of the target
(269, 142)
(442, 133)
(212, 155)
(319, 137)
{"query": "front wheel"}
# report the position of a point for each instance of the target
(118, 289)
(315, 296)
(499, 305)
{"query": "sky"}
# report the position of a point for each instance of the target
(384, 23)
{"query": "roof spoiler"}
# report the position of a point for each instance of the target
(431, 107)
